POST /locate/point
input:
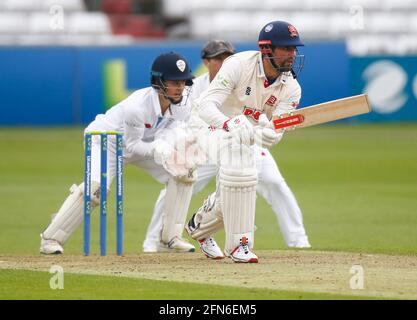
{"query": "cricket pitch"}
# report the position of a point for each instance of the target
(385, 276)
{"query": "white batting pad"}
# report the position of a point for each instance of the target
(238, 179)
(177, 201)
(70, 215)
(208, 219)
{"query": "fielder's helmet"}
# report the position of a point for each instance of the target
(170, 66)
(278, 34)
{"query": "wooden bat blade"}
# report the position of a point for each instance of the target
(324, 112)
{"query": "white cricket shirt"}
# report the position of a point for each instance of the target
(200, 84)
(240, 87)
(139, 118)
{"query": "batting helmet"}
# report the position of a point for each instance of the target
(170, 66)
(279, 34)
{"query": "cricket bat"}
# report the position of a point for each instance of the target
(322, 113)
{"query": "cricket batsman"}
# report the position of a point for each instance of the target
(152, 122)
(271, 184)
(250, 88)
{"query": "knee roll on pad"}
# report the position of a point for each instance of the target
(238, 178)
(208, 218)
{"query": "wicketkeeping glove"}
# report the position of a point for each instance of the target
(179, 156)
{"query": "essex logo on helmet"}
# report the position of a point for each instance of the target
(293, 31)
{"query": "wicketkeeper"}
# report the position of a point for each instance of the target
(213, 54)
(156, 140)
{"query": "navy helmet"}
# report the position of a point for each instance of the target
(170, 66)
(280, 34)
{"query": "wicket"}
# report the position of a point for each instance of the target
(103, 190)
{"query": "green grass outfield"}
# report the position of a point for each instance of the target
(28, 285)
(356, 185)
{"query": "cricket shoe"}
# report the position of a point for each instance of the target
(150, 245)
(300, 243)
(50, 246)
(211, 249)
(176, 245)
(242, 253)
(150, 249)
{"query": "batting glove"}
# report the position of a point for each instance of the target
(265, 136)
(240, 129)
